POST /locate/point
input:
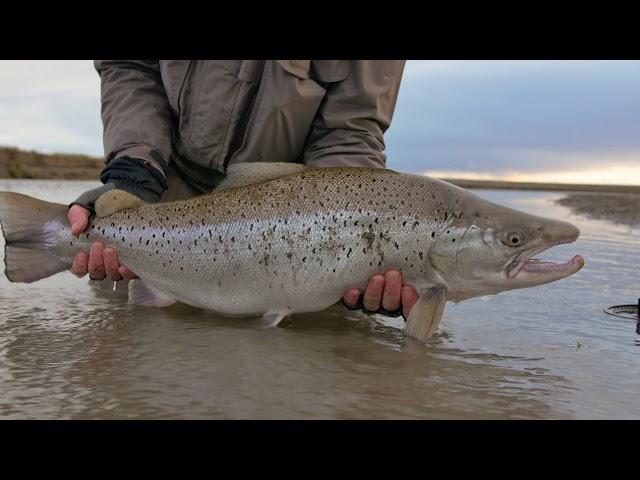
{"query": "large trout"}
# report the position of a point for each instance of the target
(276, 239)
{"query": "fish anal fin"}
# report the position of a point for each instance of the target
(271, 319)
(141, 293)
(248, 173)
(426, 314)
(115, 200)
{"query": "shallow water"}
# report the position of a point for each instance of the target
(67, 351)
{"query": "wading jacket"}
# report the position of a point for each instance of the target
(203, 115)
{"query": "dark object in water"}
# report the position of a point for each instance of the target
(626, 311)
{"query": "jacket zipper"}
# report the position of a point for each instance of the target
(238, 138)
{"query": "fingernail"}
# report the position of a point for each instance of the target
(393, 274)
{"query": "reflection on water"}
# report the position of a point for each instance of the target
(67, 351)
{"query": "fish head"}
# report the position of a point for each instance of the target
(488, 248)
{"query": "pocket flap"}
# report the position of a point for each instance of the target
(299, 68)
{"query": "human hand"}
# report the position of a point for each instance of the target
(386, 291)
(100, 262)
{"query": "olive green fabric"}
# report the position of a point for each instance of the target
(199, 116)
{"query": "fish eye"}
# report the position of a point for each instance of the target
(514, 239)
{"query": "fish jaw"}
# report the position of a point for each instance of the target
(538, 272)
(525, 271)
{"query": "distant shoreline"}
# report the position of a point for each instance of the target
(16, 163)
(22, 164)
(553, 187)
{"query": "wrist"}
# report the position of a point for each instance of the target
(135, 176)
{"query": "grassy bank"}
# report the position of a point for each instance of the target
(16, 163)
(554, 187)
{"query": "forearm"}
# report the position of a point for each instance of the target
(136, 114)
(356, 112)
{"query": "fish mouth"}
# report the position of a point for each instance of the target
(524, 266)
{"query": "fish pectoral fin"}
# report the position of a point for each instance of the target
(142, 294)
(115, 200)
(426, 314)
(248, 173)
(271, 319)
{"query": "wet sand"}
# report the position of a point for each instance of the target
(621, 208)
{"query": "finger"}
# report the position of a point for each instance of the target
(111, 264)
(126, 273)
(392, 289)
(373, 293)
(79, 267)
(96, 261)
(78, 218)
(351, 297)
(409, 299)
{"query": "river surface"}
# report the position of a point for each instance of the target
(69, 351)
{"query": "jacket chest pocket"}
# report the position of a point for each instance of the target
(286, 103)
(209, 103)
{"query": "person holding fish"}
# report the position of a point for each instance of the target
(173, 127)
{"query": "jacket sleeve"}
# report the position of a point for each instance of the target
(136, 114)
(349, 127)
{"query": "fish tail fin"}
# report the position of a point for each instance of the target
(26, 252)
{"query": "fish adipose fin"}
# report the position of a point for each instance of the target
(426, 314)
(142, 294)
(26, 252)
(248, 173)
(115, 200)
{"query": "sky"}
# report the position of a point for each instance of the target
(560, 121)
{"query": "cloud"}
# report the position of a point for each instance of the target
(496, 116)
(50, 106)
(472, 117)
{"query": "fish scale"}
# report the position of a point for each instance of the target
(293, 243)
(275, 239)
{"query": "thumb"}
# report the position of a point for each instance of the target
(78, 218)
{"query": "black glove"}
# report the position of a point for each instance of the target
(381, 311)
(132, 175)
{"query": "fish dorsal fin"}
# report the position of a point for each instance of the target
(248, 173)
(115, 200)
(426, 314)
